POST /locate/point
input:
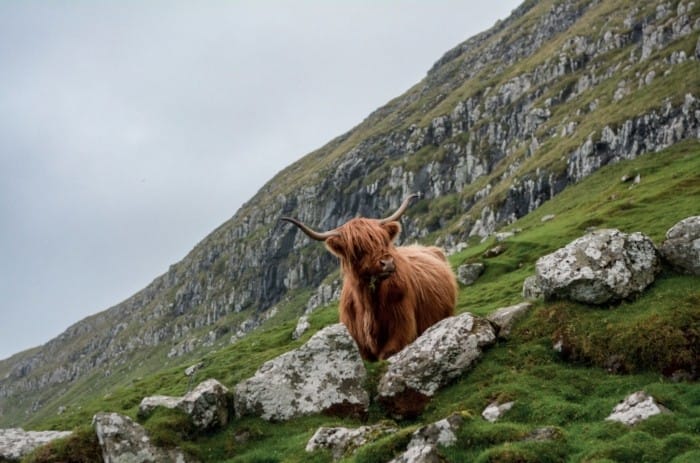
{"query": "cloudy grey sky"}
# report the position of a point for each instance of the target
(130, 130)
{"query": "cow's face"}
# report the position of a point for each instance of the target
(365, 248)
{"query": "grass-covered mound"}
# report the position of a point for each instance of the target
(608, 352)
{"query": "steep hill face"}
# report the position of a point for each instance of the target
(500, 124)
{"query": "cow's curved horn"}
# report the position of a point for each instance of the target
(314, 235)
(402, 208)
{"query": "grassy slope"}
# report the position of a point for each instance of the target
(574, 397)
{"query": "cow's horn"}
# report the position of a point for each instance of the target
(402, 208)
(309, 232)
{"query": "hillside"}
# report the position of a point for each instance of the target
(569, 394)
(502, 124)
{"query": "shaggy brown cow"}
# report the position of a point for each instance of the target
(390, 294)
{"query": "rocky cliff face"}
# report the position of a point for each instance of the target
(499, 125)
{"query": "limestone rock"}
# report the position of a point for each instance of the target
(124, 441)
(442, 353)
(208, 405)
(635, 408)
(423, 447)
(302, 325)
(420, 454)
(602, 266)
(149, 404)
(494, 251)
(344, 441)
(15, 443)
(531, 291)
(325, 375)
(682, 246)
(505, 317)
(495, 410)
(467, 274)
(192, 369)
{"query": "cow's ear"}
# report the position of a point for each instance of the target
(335, 245)
(393, 228)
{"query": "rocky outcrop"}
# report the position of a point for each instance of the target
(15, 443)
(442, 353)
(208, 405)
(343, 442)
(600, 267)
(646, 133)
(325, 375)
(124, 441)
(681, 248)
(635, 408)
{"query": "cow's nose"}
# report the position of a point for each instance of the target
(387, 265)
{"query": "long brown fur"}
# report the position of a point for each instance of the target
(385, 313)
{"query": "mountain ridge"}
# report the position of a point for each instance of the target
(501, 123)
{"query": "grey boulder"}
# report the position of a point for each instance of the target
(124, 441)
(325, 375)
(603, 266)
(681, 248)
(441, 354)
(208, 405)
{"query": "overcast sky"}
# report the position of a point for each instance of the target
(130, 130)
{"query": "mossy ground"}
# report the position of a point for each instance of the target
(570, 393)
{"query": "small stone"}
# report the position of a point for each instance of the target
(681, 248)
(191, 370)
(467, 274)
(531, 291)
(635, 408)
(495, 410)
(495, 251)
(506, 317)
(302, 326)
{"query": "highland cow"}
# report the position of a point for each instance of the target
(391, 294)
